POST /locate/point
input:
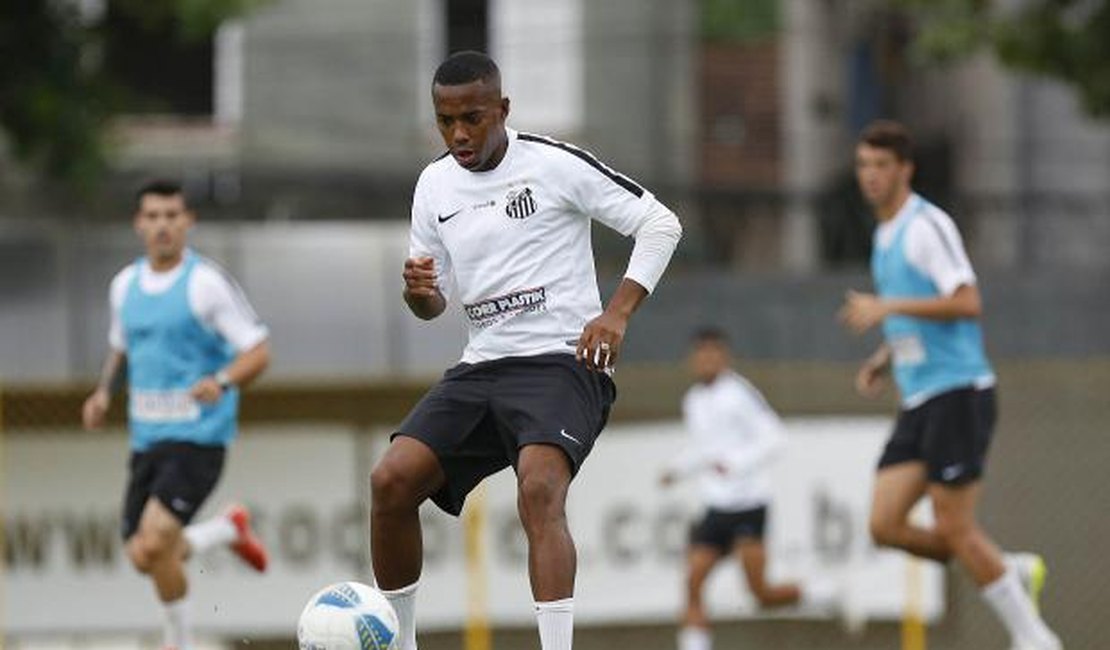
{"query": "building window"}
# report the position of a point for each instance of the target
(538, 44)
(467, 25)
(158, 71)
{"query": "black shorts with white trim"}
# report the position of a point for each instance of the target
(479, 416)
(950, 433)
(180, 475)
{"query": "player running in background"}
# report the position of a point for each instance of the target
(502, 224)
(734, 437)
(188, 339)
(928, 305)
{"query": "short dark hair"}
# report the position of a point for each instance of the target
(466, 67)
(159, 187)
(890, 135)
(709, 334)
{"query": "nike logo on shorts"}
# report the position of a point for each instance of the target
(952, 471)
(179, 504)
(445, 218)
(563, 432)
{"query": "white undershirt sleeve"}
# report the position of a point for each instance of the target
(656, 238)
(117, 340)
(934, 247)
(220, 303)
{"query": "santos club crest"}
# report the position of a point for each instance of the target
(520, 203)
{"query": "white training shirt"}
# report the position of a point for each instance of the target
(214, 297)
(932, 243)
(729, 424)
(513, 243)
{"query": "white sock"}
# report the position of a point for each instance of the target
(404, 604)
(1013, 607)
(556, 623)
(216, 531)
(695, 638)
(821, 594)
(176, 632)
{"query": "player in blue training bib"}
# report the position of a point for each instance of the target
(928, 306)
(188, 339)
(169, 350)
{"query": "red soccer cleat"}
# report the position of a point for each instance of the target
(247, 546)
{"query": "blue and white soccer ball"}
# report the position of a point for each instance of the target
(348, 616)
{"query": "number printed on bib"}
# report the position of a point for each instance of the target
(908, 350)
(164, 406)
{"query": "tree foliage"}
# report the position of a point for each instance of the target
(739, 21)
(55, 98)
(1067, 40)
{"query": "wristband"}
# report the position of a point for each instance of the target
(224, 380)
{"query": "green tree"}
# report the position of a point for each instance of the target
(56, 101)
(1067, 40)
(739, 21)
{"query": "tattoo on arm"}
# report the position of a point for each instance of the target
(114, 373)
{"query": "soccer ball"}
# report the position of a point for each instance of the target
(348, 616)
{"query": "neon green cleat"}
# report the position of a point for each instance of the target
(1032, 572)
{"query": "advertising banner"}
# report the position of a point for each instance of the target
(65, 569)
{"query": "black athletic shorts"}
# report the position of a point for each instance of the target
(179, 474)
(950, 433)
(479, 415)
(721, 529)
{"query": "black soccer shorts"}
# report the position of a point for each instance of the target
(722, 529)
(950, 433)
(479, 416)
(180, 475)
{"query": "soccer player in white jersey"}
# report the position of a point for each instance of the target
(734, 437)
(188, 339)
(501, 223)
(928, 306)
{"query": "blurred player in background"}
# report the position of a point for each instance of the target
(188, 339)
(928, 305)
(734, 436)
(502, 224)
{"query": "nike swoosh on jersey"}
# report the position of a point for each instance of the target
(445, 218)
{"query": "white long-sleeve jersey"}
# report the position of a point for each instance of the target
(513, 243)
(730, 427)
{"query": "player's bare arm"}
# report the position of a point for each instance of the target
(96, 405)
(874, 374)
(421, 291)
(240, 372)
(600, 343)
(862, 311)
